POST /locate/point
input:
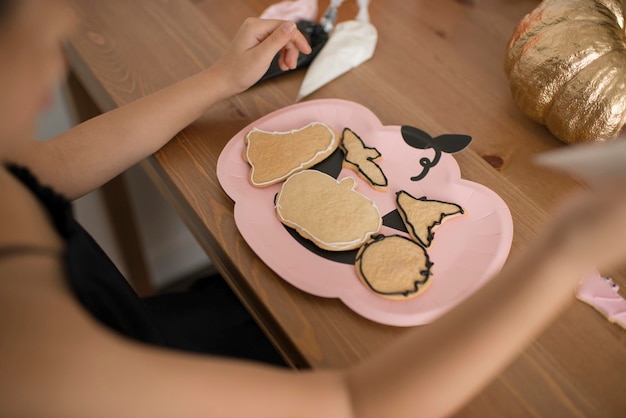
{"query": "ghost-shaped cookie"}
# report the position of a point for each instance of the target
(274, 156)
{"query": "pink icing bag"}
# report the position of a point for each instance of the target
(294, 10)
(602, 294)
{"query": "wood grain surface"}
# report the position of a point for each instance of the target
(438, 66)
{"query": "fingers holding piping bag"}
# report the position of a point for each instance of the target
(255, 46)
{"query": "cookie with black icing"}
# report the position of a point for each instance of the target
(394, 267)
(360, 158)
(422, 216)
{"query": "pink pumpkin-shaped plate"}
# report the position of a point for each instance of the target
(466, 252)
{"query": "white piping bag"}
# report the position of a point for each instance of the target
(350, 44)
(593, 162)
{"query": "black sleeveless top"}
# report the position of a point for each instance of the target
(91, 275)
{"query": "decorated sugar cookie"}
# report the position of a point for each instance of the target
(274, 156)
(394, 267)
(422, 216)
(360, 158)
(326, 211)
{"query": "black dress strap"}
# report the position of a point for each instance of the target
(207, 319)
(93, 278)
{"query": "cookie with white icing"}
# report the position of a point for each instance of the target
(328, 212)
(274, 156)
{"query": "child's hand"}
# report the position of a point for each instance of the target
(253, 48)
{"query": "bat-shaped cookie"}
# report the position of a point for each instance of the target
(360, 158)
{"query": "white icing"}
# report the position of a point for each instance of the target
(338, 245)
(332, 145)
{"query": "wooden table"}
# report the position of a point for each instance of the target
(438, 66)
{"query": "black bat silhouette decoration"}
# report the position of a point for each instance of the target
(448, 143)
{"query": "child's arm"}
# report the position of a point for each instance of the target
(53, 349)
(436, 371)
(92, 153)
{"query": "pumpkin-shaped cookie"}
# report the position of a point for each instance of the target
(326, 211)
(566, 65)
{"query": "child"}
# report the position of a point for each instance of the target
(75, 342)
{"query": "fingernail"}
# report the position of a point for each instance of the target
(288, 27)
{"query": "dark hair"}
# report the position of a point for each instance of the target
(5, 7)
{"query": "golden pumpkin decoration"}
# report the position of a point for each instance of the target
(566, 65)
